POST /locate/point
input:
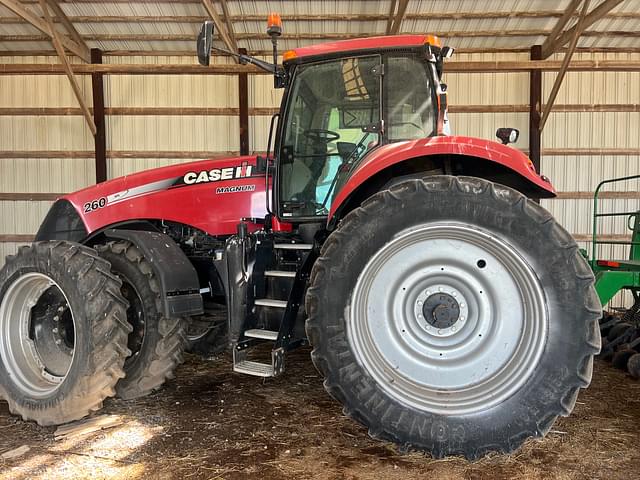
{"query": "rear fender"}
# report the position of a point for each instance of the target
(465, 156)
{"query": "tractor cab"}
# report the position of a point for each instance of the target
(342, 101)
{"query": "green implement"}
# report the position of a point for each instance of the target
(613, 276)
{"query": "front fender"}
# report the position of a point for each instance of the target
(454, 146)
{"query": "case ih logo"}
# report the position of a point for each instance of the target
(218, 174)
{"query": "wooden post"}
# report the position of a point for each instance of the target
(243, 104)
(98, 118)
(535, 104)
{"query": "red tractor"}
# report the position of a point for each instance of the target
(447, 311)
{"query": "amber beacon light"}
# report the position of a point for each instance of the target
(274, 25)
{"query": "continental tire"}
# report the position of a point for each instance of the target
(453, 315)
(157, 342)
(63, 332)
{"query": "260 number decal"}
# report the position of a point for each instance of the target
(95, 204)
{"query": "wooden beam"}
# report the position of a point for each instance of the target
(55, 37)
(557, 29)
(596, 14)
(19, 238)
(390, 17)
(100, 138)
(331, 36)
(220, 26)
(565, 64)
(17, 8)
(68, 25)
(602, 195)
(243, 110)
(229, 23)
(350, 17)
(268, 111)
(183, 69)
(29, 197)
(535, 101)
(397, 21)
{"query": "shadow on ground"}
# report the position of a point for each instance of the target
(209, 423)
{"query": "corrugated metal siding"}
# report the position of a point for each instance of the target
(220, 133)
(39, 133)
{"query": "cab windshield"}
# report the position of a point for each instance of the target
(333, 119)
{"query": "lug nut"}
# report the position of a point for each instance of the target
(61, 308)
(55, 330)
(419, 302)
(56, 318)
(58, 342)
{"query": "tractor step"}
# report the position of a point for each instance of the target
(262, 334)
(280, 273)
(258, 369)
(292, 246)
(269, 302)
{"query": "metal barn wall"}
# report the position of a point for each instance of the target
(132, 139)
(26, 135)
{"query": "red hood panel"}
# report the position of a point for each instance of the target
(212, 195)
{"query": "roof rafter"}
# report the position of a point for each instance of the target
(228, 22)
(579, 28)
(61, 17)
(57, 43)
(596, 14)
(557, 29)
(25, 13)
(221, 26)
(395, 18)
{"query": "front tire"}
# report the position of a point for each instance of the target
(63, 332)
(157, 342)
(453, 315)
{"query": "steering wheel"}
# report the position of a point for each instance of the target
(321, 135)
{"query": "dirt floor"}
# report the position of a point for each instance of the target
(210, 423)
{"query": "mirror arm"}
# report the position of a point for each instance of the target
(266, 66)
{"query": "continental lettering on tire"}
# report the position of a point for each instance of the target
(236, 189)
(95, 204)
(218, 174)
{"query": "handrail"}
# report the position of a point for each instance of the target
(597, 215)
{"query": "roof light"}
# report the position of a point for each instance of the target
(274, 24)
(289, 55)
(433, 41)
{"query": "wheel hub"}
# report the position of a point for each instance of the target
(441, 310)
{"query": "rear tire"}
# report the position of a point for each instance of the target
(516, 276)
(63, 332)
(157, 342)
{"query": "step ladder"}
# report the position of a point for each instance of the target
(281, 339)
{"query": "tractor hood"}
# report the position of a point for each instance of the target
(211, 195)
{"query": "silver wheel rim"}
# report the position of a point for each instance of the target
(36, 347)
(420, 357)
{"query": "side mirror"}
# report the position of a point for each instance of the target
(508, 135)
(447, 52)
(205, 41)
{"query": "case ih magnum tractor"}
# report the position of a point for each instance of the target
(446, 310)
